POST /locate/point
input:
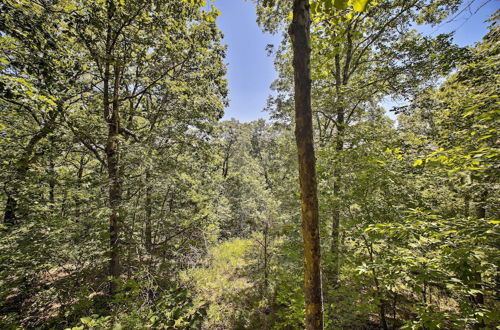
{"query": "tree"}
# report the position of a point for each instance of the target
(37, 87)
(299, 33)
(134, 78)
(108, 120)
(360, 56)
(130, 91)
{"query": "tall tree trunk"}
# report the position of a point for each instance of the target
(112, 154)
(332, 273)
(335, 244)
(112, 116)
(300, 34)
(341, 75)
(339, 147)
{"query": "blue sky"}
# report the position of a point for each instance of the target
(251, 71)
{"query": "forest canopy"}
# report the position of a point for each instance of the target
(128, 203)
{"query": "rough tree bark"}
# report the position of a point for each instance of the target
(300, 35)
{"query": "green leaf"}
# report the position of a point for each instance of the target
(360, 5)
(484, 137)
(341, 4)
(314, 8)
(418, 162)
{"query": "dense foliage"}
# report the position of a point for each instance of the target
(128, 204)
